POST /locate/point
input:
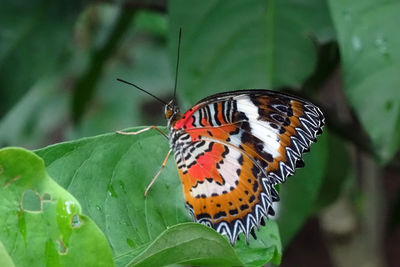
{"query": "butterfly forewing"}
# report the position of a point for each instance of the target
(232, 148)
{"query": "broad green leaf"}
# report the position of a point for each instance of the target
(41, 223)
(369, 40)
(299, 192)
(108, 174)
(181, 243)
(229, 45)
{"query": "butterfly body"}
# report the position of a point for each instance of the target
(232, 148)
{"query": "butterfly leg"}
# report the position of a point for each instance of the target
(158, 173)
(142, 131)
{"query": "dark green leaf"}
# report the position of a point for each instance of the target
(32, 43)
(369, 41)
(337, 172)
(229, 45)
(87, 83)
(37, 115)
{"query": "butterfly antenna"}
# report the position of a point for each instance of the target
(141, 89)
(177, 61)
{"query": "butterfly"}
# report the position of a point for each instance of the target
(232, 148)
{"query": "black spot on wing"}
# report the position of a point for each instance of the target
(253, 234)
(219, 215)
(216, 114)
(252, 198)
(193, 121)
(271, 211)
(255, 186)
(210, 146)
(244, 207)
(200, 144)
(233, 212)
(200, 111)
(300, 163)
(265, 155)
(226, 151)
(238, 171)
(241, 159)
(203, 216)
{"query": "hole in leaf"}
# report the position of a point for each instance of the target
(62, 249)
(46, 197)
(31, 201)
(76, 221)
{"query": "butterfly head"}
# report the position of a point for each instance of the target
(172, 113)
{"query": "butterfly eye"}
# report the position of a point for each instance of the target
(168, 112)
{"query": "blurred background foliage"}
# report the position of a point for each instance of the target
(59, 61)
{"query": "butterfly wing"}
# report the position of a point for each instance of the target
(224, 189)
(232, 148)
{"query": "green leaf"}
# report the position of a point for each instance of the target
(5, 259)
(299, 193)
(337, 172)
(229, 45)
(36, 116)
(41, 223)
(42, 114)
(369, 41)
(267, 247)
(33, 43)
(108, 174)
(181, 243)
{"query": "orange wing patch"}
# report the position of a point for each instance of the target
(238, 202)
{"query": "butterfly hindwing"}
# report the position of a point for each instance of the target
(223, 189)
(234, 147)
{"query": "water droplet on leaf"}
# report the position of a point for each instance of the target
(356, 43)
(111, 191)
